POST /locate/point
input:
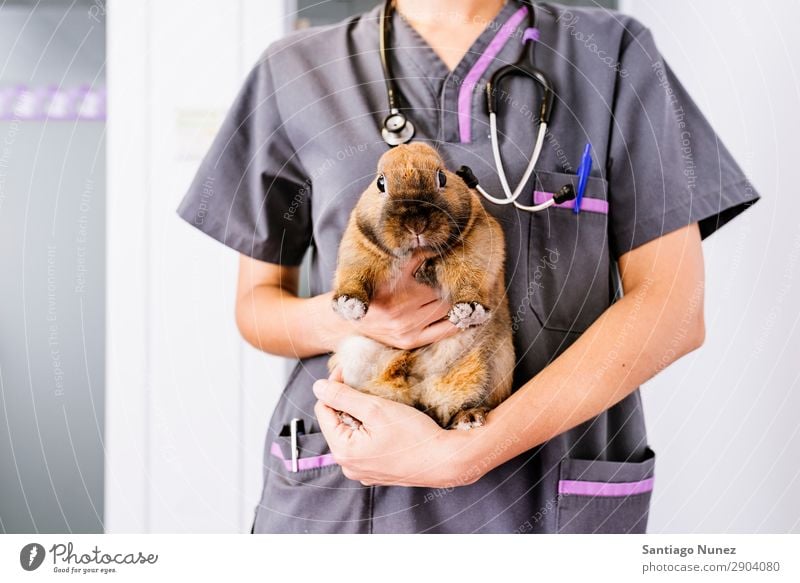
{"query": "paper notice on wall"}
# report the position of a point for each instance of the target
(195, 129)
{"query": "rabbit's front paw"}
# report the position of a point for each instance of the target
(469, 418)
(353, 423)
(466, 314)
(349, 308)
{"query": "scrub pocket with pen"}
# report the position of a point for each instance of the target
(314, 498)
(307, 494)
(569, 262)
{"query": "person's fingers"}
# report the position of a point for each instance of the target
(421, 318)
(336, 374)
(436, 332)
(328, 420)
(435, 300)
(410, 267)
(435, 311)
(343, 398)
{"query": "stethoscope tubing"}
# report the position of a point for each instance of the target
(397, 128)
(511, 197)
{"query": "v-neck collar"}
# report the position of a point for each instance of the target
(450, 91)
(406, 36)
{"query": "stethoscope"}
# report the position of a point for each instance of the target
(397, 128)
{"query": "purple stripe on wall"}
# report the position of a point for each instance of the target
(608, 489)
(592, 205)
(303, 463)
(478, 69)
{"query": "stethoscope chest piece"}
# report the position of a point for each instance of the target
(397, 129)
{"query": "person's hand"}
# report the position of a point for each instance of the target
(408, 316)
(395, 444)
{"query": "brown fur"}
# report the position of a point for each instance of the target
(458, 379)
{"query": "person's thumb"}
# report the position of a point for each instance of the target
(411, 267)
(337, 375)
(343, 398)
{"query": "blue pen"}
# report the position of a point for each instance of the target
(583, 177)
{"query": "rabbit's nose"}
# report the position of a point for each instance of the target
(417, 225)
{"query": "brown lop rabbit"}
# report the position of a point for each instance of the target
(417, 209)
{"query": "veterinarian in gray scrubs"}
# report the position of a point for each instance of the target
(601, 300)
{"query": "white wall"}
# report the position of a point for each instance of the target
(187, 401)
(724, 421)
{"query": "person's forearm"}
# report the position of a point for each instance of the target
(276, 321)
(649, 328)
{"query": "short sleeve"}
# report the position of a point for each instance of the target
(667, 166)
(250, 192)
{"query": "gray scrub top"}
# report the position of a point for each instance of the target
(300, 144)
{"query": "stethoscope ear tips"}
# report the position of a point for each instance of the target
(466, 174)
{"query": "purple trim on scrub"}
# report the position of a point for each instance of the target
(607, 489)
(592, 205)
(530, 34)
(303, 463)
(478, 69)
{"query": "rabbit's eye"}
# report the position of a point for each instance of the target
(381, 183)
(441, 177)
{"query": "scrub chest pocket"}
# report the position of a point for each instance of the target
(569, 262)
